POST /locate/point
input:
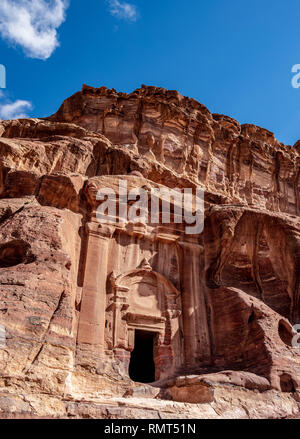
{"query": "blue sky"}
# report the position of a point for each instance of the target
(233, 56)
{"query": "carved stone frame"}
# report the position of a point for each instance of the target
(125, 321)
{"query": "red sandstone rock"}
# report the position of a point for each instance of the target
(217, 307)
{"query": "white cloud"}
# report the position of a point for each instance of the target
(14, 110)
(32, 24)
(123, 10)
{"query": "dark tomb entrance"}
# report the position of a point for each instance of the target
(141, 367)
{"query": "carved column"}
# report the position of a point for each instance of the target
(92, 312)
(119, 305)
(196, 335)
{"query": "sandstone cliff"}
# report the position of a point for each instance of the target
(222, 304)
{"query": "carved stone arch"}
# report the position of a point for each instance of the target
(168, 290)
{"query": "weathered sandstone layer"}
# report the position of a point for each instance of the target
(78, 298)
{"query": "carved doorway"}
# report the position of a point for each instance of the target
(142, 367)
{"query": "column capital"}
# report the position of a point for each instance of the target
(100, 230)
(193, 246)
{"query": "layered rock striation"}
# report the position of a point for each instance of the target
(217, 308)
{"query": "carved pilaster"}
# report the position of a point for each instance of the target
(196, 334)
(92, 313)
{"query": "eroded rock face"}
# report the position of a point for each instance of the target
(213, 311)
